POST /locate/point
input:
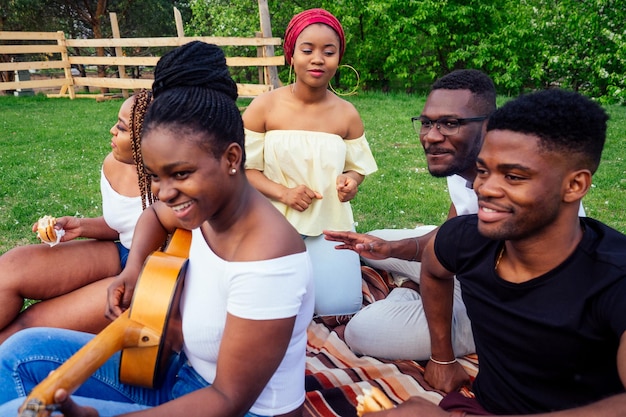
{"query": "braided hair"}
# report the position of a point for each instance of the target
(137, 114)
(193, 91)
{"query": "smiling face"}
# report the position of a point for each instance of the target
(185, 175)
(452, 154)
(316, 55)
(121, 145)
(520, 186)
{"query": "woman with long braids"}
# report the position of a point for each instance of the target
(247, 297)
(71, 277)
(308, 154)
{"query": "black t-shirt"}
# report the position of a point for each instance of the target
(549, 343)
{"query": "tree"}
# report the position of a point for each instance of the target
(394, 44)
(90, 18)
(587, 51)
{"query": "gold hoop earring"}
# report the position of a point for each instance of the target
(293, 86)
(356, 87)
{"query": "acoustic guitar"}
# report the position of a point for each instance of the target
(146, 333)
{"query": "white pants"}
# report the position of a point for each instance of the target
(396, 327)
(337, 276)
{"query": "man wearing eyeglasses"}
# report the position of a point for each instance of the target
(451, 130)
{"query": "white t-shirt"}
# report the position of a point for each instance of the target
(258, 290)
(462, 195)
(119, 211)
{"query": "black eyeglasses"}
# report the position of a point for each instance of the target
(445, 125)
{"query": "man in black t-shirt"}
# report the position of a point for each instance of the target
(545, 290)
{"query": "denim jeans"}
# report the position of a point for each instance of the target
(123, 251)
(30, 355)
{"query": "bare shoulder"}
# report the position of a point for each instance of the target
(260, 101)
(350, 114)
(121, 176)
(346, 106)
(254, 117)
(256, 114)
(272, 235)
(109, 163)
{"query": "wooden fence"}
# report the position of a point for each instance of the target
(56, 49)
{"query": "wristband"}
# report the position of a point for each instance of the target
(443, 362)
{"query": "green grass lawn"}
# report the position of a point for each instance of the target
(51, 151)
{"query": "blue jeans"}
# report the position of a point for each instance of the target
(123, 251)
(27, 358)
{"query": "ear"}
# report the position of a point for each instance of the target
(577, 183)
(232, 156)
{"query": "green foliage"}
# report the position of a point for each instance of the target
(20, 15)
(405, 45)
(217, 18)
(395, 45)
(589, 51)
(80, 18)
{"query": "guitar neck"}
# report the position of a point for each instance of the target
(143, 325)
(121, 333)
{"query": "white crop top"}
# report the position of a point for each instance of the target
(120, 212)
(257, 290)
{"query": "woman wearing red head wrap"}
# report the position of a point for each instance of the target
(308, 17)
(307, 152)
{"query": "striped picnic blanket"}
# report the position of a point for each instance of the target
(335, 375)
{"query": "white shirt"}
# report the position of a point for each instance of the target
(119, 211)
(258, 290)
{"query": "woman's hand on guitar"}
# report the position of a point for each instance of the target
(69, 408)
(119, 295)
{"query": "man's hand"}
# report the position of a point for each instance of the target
(367, 246)
(447, 378)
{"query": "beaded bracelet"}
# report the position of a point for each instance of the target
(417, 250)
(443, 362)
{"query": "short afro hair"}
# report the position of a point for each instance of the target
(479, 83)
(564, 121)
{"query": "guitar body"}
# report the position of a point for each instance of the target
(155, 304)
(146, 333)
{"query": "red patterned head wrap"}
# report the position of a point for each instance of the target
(306, 18)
